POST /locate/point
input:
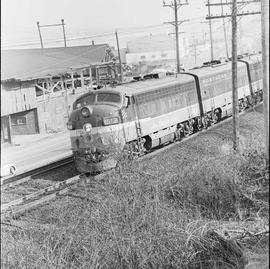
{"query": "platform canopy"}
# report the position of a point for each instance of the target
(27, 64)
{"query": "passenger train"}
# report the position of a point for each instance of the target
(139, 116)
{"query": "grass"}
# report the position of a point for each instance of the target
(170, 211)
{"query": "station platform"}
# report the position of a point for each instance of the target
(32, 151)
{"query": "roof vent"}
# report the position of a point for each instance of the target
(213, 62)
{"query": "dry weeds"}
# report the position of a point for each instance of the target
(195, 206)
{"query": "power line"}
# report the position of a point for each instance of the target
(230, 3)
(175, 5)
(76, 37)
(52, 25)
(210, 17)
(84, 37)
(229, 16)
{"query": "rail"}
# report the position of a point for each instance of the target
(26, 176)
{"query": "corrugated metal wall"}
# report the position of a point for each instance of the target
(17, 97)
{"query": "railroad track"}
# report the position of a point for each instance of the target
(28, 175)
(44, 195)
(36, 177)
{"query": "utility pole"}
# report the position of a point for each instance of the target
(64, 33)
(224, 30)
(176, 24)
(265, 61)
(210, 31)
(176, 36)
(50, 25)
(41, 43)
(195, 52)
(235, 104)
(119, 57)
(210, 36)
(194, 46)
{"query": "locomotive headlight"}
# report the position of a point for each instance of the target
(110, 120)
(87, 127)
(85, 112)
(70, 126)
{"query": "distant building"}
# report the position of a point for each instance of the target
(155, 50)
(32, 78)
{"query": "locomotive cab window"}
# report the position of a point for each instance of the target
(84, 101)
(108, 97)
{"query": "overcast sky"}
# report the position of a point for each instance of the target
(88, 18)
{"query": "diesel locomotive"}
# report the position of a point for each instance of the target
(139, 116)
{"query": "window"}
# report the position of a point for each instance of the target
(86, 100)
(18, 120)
(163, 55)
(108, 97)
(153, 56)
(143, 57)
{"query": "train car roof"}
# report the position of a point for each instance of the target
(209, 70)
(252, 58)
(213, 69)
(138, 87)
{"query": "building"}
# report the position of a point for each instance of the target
(155, 50)
(37, 85)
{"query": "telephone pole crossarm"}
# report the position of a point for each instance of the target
(230, 3)
(173, 22)
(52, 25)
(179, 4)
(229, 16)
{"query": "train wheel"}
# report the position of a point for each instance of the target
(218, 114)
(241, 105)
(186, 130)
(205, 122)
(251, 100)
(177, 134)
(199, 124)
(245, 103)
(213, 118)
(259, 97)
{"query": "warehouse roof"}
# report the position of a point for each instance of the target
(25, 64)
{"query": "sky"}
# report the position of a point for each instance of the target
(86, 17)
(97, 20)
